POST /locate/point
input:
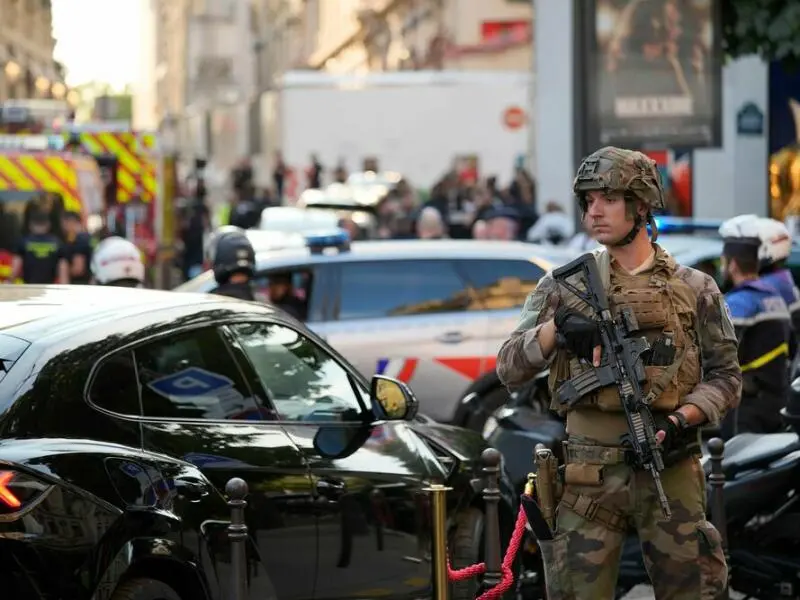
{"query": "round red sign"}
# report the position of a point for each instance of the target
(514, 117)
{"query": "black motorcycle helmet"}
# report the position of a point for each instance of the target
(234, 254)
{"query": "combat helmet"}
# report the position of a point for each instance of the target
(628, 173)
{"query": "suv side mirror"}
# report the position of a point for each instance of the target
(395, 398)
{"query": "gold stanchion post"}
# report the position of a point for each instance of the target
(439, 546)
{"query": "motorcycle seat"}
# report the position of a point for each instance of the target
(754, 450)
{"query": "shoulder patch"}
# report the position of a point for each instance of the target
(725, 317)
(537, 304)
(702, 283)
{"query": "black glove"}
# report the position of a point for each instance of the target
(580, 333)
(672, 432)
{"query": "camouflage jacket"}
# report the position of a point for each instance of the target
(520, 357)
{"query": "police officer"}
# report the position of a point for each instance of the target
(118, 262)
(692, 374)
(39, 257)
(282, 294)
(763, 326)
(234, 262)
(776, 246)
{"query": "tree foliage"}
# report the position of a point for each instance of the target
(769, 28)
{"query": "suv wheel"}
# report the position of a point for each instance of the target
(144, 589)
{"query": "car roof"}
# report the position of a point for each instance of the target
(688, 249)
(32, 312)
(423, 249)
(387, 250)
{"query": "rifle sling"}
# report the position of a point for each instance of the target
(661, 383)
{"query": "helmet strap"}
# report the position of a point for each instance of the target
(638, 222)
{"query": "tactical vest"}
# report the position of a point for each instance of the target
(664, 305)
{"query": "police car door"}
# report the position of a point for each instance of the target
(415, 320)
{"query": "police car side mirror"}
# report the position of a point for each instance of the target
(393, 398)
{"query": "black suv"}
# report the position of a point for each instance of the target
(123, 414)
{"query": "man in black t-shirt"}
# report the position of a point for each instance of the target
(77, 248)
(39, 257)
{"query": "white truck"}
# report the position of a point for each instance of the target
(418, 123)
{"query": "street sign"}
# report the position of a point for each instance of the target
(190, 382)
(750, 120)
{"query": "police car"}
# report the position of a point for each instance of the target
(696, 243)
(431, 313)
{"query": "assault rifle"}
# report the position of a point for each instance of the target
(621, 365)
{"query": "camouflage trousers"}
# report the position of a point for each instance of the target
(602, 498)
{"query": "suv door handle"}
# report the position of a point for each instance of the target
(330, 489)
(191, 488)
(451, 337)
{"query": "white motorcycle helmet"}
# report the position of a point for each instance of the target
(740, 227)
(117, 261)
(776, 241)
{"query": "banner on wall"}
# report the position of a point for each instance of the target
(652, 71)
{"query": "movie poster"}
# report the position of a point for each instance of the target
(652, 73)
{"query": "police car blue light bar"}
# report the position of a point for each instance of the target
(667, 224)
(336, 238)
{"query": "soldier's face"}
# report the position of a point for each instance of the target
(607, 220)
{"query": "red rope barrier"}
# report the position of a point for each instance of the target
(507, 579)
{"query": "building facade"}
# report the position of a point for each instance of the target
(169, 18)
(26, 52)
(388, 35)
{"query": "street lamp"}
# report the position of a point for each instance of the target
(59, 90)
(13, 70)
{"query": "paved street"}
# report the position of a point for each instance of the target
(645, 592)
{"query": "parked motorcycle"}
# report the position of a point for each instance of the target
(762, 496)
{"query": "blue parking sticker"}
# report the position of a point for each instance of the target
(131, 469)
(190, 382)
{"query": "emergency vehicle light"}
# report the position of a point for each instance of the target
(686, 225)
(32, 143)
(336, 238)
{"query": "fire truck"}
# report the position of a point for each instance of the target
(138, 177)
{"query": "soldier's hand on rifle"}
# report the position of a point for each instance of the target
(580, 334)
(668, 430)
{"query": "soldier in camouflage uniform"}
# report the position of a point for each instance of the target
(693, 378)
